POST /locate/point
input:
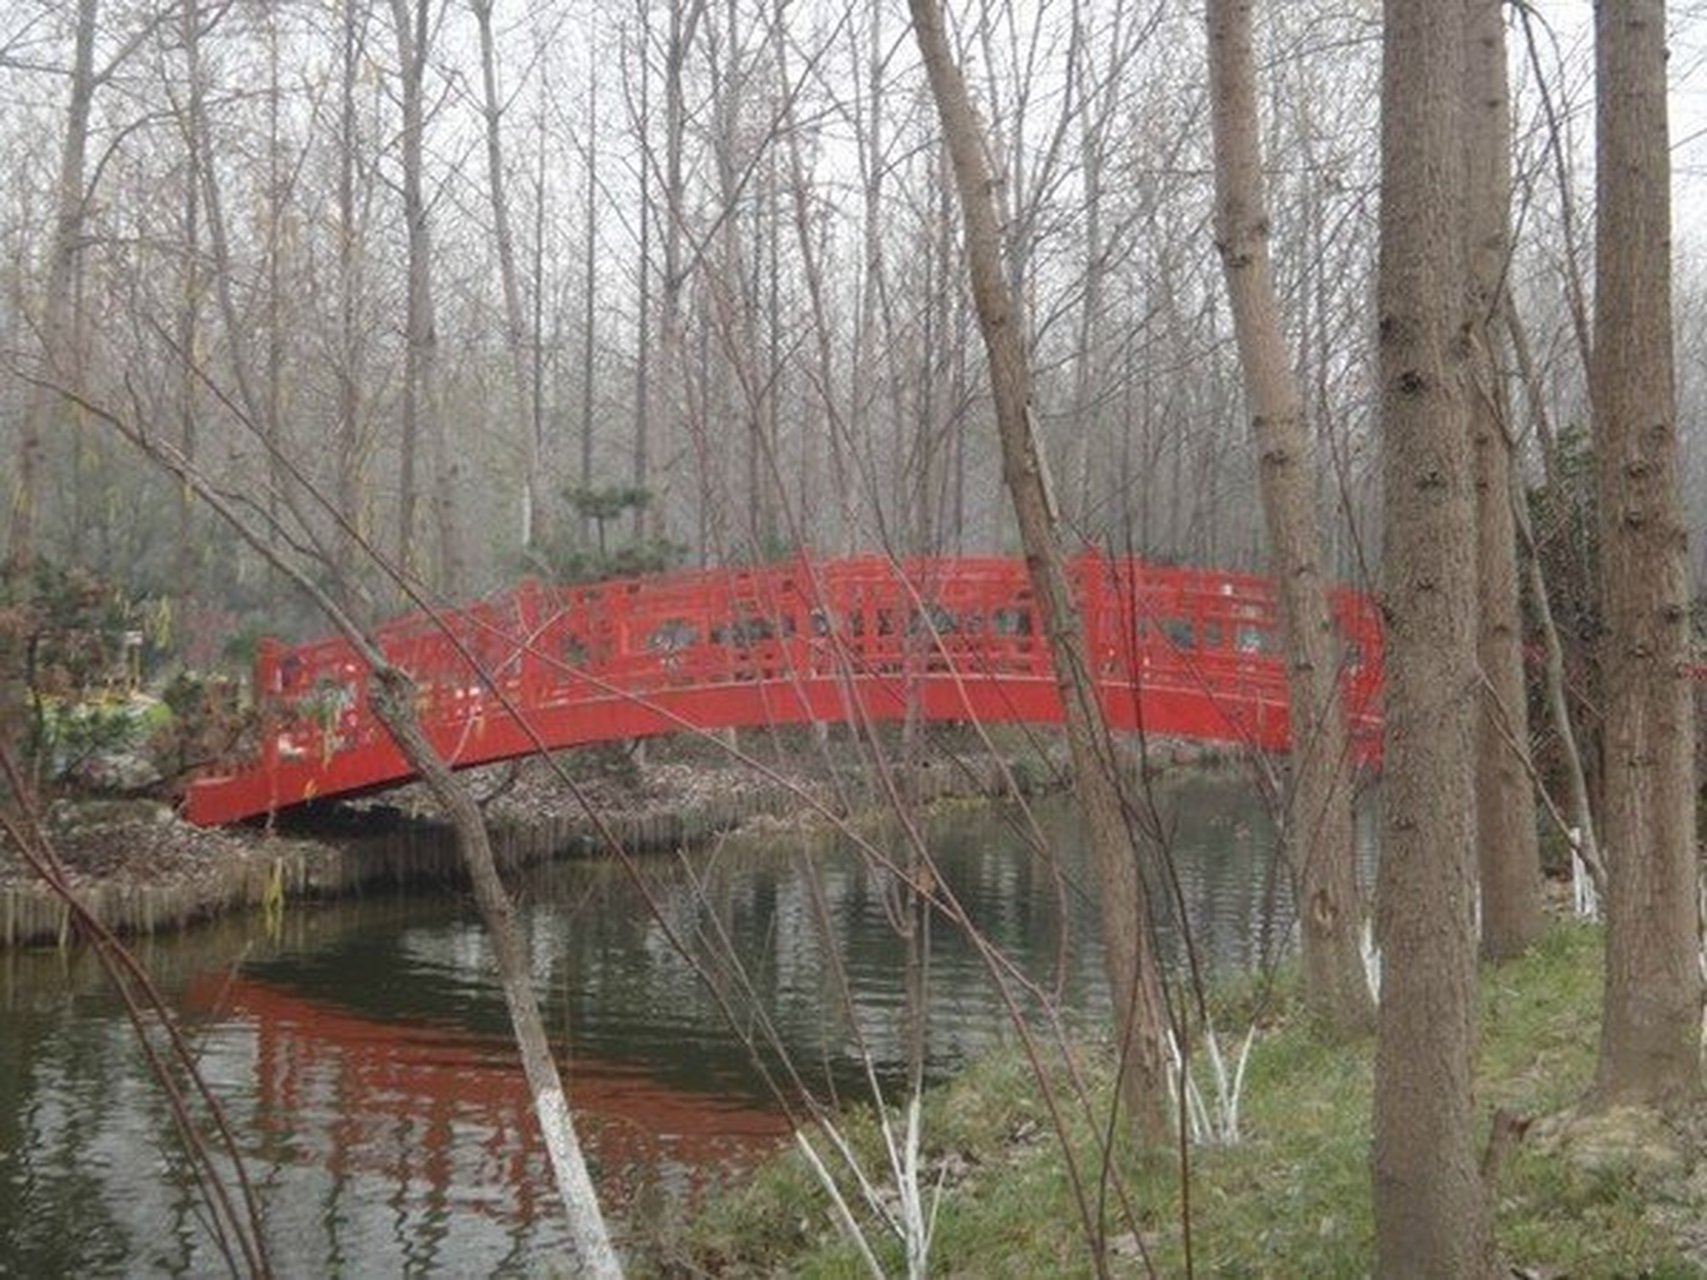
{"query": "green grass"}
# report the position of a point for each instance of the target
(1291, 1200)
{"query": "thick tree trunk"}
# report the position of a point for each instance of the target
(1650, 1043)
(1316, 826)
(1508, 845)
(1140, 1015)
(1431, 1215)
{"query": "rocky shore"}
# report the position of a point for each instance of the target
(143, 869)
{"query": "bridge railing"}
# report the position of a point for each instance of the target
(1147, 627)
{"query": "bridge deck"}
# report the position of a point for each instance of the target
(1181, 652)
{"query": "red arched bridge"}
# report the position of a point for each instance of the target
(1180, 652)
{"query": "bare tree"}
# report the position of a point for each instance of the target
(1507, 843)
(1650, 1041)
(684, 21)
(873, 288)
(1582, 818)
(350, 452)
(1431, 1215)
(422, 420)
(59, 342)
(641, 120)
(826, 528)
(516, 336)
(589, 287)
(190, 306)
(1140, 1014)
(1316, 822)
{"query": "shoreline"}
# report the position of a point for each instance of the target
(143, 870)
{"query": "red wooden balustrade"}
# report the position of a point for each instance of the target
(1190, 653)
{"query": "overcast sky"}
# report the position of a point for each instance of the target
(1571, 22)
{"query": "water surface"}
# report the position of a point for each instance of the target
(363, 1056)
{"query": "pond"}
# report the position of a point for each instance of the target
(361, 1048)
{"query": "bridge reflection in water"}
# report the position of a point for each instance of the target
(443, 1115)
(1181, 652)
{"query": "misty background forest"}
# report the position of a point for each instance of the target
(541, 288)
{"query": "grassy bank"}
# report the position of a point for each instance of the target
(1609, 1198)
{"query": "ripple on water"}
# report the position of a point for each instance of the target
(366, 1065)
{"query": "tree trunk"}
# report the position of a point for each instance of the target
(515, 326)
(59, 339)
(422, 421)
(820, 529)
(1650, 1038)
(874, 166)
(351, 482)
(589, 284)
(1431, 1215)
(187, 560)
(1316, 825)
(273, 406)
(1134, 979)
(1553, 669)
(643, 330)
(1507, 844)
(652, 518)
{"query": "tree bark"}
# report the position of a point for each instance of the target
(1507, 843)
(1650, 1039)
(1134, 977)
(1431, 1215)
(1316, 824)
